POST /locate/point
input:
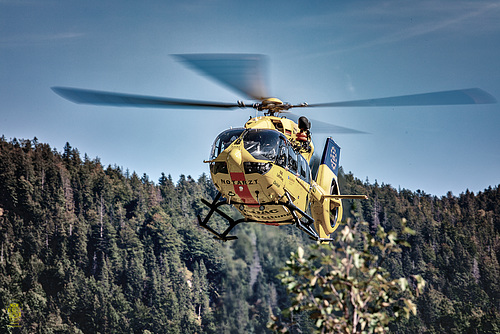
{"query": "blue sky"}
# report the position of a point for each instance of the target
(319, 51)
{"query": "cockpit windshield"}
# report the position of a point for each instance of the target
(262, 144)
(223, 141)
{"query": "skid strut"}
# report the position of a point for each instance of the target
(305, 226)
(214, 207)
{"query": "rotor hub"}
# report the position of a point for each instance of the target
(272, 105)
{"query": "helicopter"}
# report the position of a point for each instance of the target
(263, 169)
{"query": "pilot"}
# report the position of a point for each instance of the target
(304, 136)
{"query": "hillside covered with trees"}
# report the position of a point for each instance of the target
(86, 248)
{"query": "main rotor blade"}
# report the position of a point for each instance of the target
(450, 97)
(245, 73)
(85, 96)
(323, 127)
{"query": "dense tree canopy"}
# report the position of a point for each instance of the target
(344, 286)
(86, 248)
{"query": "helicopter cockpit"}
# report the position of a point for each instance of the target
(262, 144)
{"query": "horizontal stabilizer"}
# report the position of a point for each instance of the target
(346, 196)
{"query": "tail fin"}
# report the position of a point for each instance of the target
(331, 156)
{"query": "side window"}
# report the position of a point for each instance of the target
(216, 148)
(223, 141)
(305, 171)
(281, 160)
(292, 160)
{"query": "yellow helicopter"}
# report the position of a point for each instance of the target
(263, 168)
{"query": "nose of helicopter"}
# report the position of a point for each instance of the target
(234, 157)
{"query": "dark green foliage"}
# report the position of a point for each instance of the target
(343, 286)
(456, 250)
(86, 248)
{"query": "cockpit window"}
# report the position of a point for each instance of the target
(262, 144)
(223, 141)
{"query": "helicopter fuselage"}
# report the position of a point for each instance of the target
(263, 171)
(254, 166)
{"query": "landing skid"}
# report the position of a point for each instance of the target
(214, 207)
(304, 225)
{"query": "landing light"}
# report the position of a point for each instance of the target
(257, 167)
(219, 167)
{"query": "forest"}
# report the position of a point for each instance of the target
(87, 248)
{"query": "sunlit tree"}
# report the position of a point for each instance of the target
(343, 286)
